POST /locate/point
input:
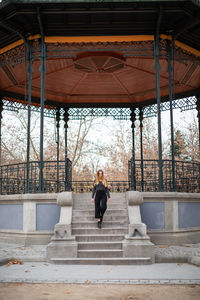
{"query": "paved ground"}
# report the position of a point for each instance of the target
(36, 270)
(37, 279)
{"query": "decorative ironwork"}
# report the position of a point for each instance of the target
(13, 178)
(16, 55)
(11, 105)
(87, 186)
(118, 113)
(184, 104)
(184, 56)
(128, 49)
(187, 176)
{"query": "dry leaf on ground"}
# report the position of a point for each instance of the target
(14, 261)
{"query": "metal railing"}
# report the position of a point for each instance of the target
(187, 175)
(87, 186)
(13, 178)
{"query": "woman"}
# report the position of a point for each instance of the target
(101, 190)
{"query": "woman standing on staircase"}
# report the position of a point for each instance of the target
(101, 190)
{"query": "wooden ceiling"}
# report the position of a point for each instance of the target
(100, 78)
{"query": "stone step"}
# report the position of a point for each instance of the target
(88, 196)
(99, 245)
(91, 206)
(116, 196)
(93, 224)
(93, 253)
(88, 201)
(122, 230)
(103, 261)
(109, 212)
(89, 218)
(99, 238)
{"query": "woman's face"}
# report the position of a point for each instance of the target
(100, 174)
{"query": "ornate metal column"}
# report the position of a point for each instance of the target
(58, 145)
(1, 109)
(157, 73)
(141, 149)
(198, 116)
(1, 173)
(169, 70)
(30, 71)
(42, 100)
(133, 177)
(66, 119)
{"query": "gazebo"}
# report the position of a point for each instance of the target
(71, 59)
(126, 59)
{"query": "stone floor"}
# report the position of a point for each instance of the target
(159, 273)
(36, 270)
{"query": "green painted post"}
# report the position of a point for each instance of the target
(66, 119)
(30, 71)
(133, 177)
(42, 99)
(58, 145)
(169, 70)
(141, 149)
(157, 75)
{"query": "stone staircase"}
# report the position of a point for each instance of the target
(100, 246)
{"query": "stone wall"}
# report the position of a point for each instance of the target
(171, 218)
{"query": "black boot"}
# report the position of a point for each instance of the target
(99, 224)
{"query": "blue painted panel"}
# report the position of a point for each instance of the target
(189, 214)
(47, 215)
(153, 214)
(11, 216)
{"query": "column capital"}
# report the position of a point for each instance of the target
(133, 116)
(66, 116)
(58, 117)
(141, 117)
(198, 106)
(1, 107)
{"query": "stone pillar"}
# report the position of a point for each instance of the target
(63, 244)
(29, 216)
(137, 243)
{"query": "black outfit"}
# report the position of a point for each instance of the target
(100, 199)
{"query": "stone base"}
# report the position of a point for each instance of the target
(62, 248)
(138, 230)
(62, 231)
(138, 247)
(63, 244)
